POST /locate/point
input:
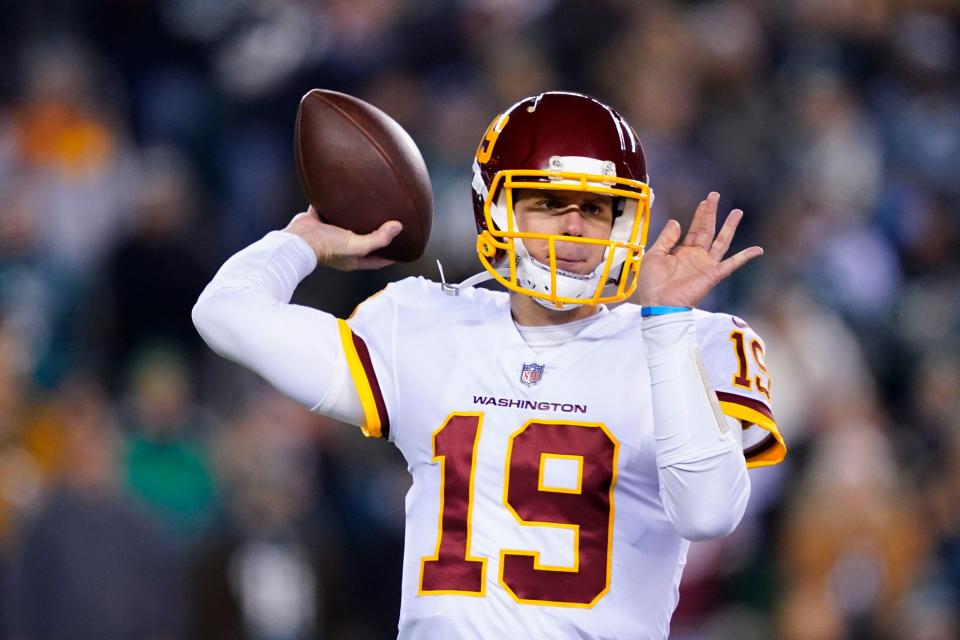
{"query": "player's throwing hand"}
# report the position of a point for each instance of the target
(682, 275)
(340, 248)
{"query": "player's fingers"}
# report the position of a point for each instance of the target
(708, 221)
(722, 242)
(377, 239)
(667, 239)
(737, 260)
(690, 239)
(704, 223)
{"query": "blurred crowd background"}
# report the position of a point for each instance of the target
(150, 490)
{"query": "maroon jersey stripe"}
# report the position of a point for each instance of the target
(750, 403)
(763, 446)
(364, 354)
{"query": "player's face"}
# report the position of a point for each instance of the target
(579, 214)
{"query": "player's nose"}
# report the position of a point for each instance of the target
(572, 222)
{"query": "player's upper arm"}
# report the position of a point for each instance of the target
(294, 348)
(733, 355)
(368, 338)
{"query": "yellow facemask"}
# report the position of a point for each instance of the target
(623, 249)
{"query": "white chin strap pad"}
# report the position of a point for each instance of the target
(533, 274)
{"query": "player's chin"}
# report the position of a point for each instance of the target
(579, 267)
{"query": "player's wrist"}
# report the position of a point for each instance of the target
(320, 247)
(649, 310)
(301, 252)
(672, 332)
(304, 226)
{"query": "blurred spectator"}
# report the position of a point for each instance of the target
(165, 461)
(26, 450)
(815, 356)
(268, 575)
(155, 272)
(38, 294)
(70, 149)
(853, 549)
(90, 565)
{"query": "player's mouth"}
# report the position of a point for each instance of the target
(569, 261)
(574, 265)
(569, 264)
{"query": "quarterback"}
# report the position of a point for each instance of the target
(567, 437)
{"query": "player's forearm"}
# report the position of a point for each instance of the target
(705, 499)
(245, 316)
(703, 479)
(275, 265)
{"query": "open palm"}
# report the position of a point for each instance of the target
(681, 275)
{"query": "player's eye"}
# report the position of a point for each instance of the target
(596, 209)
(549, 203)
(591, 208)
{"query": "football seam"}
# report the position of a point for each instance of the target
(380, 151)
(302, 167)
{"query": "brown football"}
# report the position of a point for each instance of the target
(359, 168)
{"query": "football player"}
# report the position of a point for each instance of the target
(565, 444)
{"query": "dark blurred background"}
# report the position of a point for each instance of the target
(149, 490)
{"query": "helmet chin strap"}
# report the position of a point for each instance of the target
(535, 275)
(586, 282)
(546, 304)
(593, 275)
(452, 289)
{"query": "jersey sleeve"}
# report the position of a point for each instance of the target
(733, 355)
(368, 338)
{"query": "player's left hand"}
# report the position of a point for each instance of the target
(682, 275)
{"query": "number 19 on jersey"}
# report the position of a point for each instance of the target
(586, 509)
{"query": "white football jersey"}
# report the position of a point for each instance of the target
(535, 509)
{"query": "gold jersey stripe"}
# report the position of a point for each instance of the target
(372, 423)
(769, 456)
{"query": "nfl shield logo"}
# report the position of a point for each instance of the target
(531, 374)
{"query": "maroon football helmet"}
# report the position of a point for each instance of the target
(561, 141)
